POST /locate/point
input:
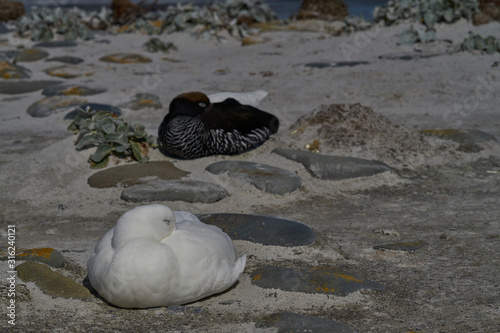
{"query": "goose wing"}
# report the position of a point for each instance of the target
(231, 115)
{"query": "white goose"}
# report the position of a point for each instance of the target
(157, 257)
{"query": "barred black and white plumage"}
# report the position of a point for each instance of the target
(195, 128)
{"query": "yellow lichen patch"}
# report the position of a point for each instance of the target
(8, 71)
(125, 58)
(59, 72)
(257, 277)
(41, 252)
(69, 72)
(145, 102)
(63, 75)
(320, 270)
(349, 277)
(325, 289)
(74, 90)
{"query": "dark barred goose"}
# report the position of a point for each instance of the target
(194, 127)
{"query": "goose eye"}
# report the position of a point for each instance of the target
(167, 221)
(202, 104)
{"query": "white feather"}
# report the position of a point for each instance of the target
(246, 98)
(157, 257)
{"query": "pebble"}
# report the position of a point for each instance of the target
(70, 71)
(24, 86)
(44, 255)
(11, 71)
(70, 60)
(125, 58)
(53, 104)
(311, 280)
(142, 101)
(96, 107)
(71, 89)
(402, 246)
(52, 283)
(30, 55)
(136, 173)
(265, 230)
(333, 167)
(264, 177)
(295, 322)
(175, 190)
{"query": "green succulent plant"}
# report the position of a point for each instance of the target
(472, 43)
(42, 23)
(417, 34)
(426, 12)
(155, 44)
(111, 135)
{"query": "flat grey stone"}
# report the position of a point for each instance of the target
(47, 256)
(52, 283)
(333, 167)
(125, 58)
(295, 322)
(135, 174)
(24, 86)
(264, 177)
(311, 280)
(67, 60)
(266, 230)
(30, 55)
(71, 89)
(175, 190)
(51, 105)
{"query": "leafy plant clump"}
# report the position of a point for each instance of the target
(111, 135)
(426, 12)
(42, 23)
(479, 43)
(155, 44)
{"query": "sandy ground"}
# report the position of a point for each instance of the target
(447, 198)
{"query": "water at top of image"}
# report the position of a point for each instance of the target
(282, 8)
